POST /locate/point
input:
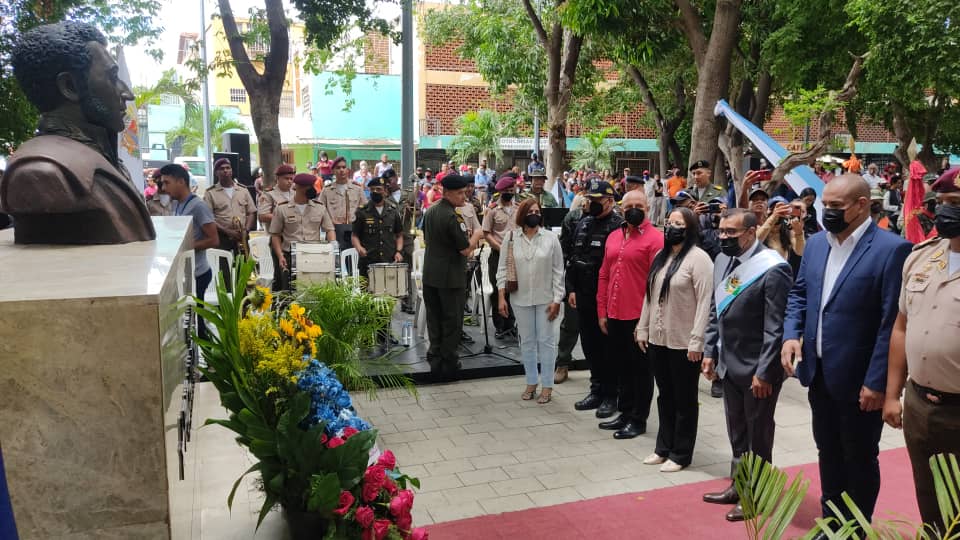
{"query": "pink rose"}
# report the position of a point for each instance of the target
(419, 534)
(390, 486)
(404, 523)
(370, 492)
(367, 534)
(364, 516)
(387, 460)
(375, 475)
(346, 501)
(335, 442)
(407, 496)
(380, 528)
(323, 438)
(397, 507)
(349, 432)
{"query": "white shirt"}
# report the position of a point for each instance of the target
(539, 263)
(873, 180)
(836, 260)
(229, 191)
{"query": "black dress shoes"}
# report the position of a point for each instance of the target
(465, 338)
(617, 423)
(727, 496)
(607, 408)
(736, 514)
(592, 401)
(631, 430)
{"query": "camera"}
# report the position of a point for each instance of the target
(713, 208)
(764, 175)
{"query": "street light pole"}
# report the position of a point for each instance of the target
(406, 96)
(206, 97)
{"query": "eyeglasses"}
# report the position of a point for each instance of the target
(731, 232)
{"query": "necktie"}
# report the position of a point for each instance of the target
(734, 263)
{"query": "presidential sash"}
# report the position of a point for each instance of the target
(743, 276)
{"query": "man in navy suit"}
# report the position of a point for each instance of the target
(843, 305)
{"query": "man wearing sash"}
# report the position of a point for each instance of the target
(742, 341)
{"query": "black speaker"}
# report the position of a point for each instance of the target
(239, 143)
(234, 163)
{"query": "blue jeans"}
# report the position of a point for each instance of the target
(538, 343)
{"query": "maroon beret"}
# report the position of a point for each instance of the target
(285, 169)
(221, 161)
(505, 182)
(304, 179)
(948, 182)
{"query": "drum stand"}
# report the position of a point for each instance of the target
(487, 349)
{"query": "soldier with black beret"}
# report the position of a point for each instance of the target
(444, 275)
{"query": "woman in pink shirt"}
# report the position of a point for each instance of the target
(628, 256)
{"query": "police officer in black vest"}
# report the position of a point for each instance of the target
(445, 275)
(583, 273)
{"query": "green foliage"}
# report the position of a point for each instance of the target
(326, 21)
(125, 22)
(768, 509)
(595, 151)
(478, 133)
(807, 105)
(166, 85)
(191, 129)
(351, 318)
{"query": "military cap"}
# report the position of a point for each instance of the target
(598, 188)
(453, 181)
(506, 182)
(388, 174)
(285, 169)
(221, 161)
(376, 182)
(948, 182)
(930, 196)
(702, 164)
(304, 179)
(634, 180)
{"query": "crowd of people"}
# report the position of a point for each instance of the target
(662, 281)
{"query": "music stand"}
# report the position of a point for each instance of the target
(487, 349)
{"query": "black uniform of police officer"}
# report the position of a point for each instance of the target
(377, 230)
(583, 273)
(444, 276)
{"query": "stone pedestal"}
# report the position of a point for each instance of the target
(92, 354)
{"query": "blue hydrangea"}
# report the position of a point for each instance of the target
(329, 400)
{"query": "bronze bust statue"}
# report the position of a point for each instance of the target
(67, 185)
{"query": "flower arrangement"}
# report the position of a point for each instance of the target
(293, 414)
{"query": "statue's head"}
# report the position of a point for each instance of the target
(67, 66)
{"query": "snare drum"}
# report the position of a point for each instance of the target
(389, 279)
(314, 263)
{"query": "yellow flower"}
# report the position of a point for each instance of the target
(296, 311)
(314, 331)
(287, 327)
(301, 336)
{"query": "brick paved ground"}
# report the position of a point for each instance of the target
(478, 449)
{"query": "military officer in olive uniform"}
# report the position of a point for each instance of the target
(583, 274)
(301, 220)
(702, 189)
(377, 233)
(925, 342)
(544, 198)
(444, 275)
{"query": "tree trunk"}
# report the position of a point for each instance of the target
(904, 135)
(264, 112)
(713, 77)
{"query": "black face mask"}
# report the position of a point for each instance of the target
(833, 220)
(377, 198)
(634, 216)
(596, 208)
(948, 221)
(674, 235)
(506, 197)
(730, 246)
(532, 220)
(876, 208)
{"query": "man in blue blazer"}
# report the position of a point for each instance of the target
(843, 305)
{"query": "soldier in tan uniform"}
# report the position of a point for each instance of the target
(301, 220)
(232, 205)
(497, 222)
(926, 343)
(271, 197)
(342, 199)
(160, 203)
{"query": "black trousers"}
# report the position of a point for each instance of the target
(499, 322)
(569, 334)
(929, 429)
(677, 404)
(595, 345)
(444, 311)
(750, 425)
(848, 441)
(632, 370)
(282, 278)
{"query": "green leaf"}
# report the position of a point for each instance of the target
(324, 493)
(268, 503)
(233, 491)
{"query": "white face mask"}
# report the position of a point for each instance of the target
(164, 199)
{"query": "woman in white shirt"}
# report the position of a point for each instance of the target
(675, 313)
(363, 175)
(536, 302)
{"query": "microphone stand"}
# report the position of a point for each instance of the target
(487, 349)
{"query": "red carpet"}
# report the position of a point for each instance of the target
(675, 512)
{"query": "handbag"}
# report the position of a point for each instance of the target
(512, 284)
